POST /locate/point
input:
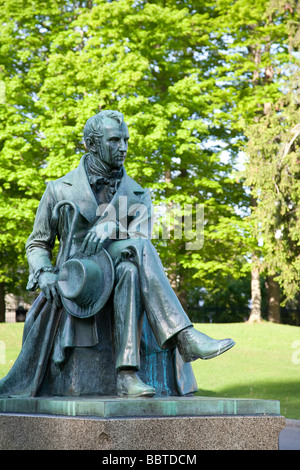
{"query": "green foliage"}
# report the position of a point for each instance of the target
(260, 61)
(274, 160)
(22, 62)
(190, 79)
(257, 54)
(231, 304)
(157, 64)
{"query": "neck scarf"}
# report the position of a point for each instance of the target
(104, 184)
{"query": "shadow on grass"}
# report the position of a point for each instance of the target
(287, 393)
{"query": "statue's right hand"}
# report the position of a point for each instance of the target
(96, 237)
(48, 285)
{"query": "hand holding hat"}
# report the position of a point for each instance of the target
(85, 281)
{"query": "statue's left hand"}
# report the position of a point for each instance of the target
(94, 239)
(48, 285)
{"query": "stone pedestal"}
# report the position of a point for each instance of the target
(156, 424)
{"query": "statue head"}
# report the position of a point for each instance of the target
(106, 138)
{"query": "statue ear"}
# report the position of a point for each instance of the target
(90, 144)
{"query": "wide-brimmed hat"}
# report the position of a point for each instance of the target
(85, 283)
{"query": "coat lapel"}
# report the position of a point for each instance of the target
(80, 191)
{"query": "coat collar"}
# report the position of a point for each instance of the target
(83, 196)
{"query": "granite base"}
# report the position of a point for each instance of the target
(195, 423)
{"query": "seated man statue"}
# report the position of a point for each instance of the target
(102, 219)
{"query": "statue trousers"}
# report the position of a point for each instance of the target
(142, 287)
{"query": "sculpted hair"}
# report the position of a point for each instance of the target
(94, 125)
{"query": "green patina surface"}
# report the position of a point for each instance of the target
(140, 407)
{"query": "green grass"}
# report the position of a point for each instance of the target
(10, 345)
(262, 364)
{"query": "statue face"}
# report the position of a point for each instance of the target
(114, 144)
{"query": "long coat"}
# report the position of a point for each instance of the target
(63, 355)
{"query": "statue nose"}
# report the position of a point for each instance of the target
(122, 147)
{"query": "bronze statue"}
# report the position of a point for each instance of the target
(106, 321)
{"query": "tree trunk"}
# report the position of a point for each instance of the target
(255, 315)
(182, 296)
(298, 311)
(2, 303)
(273, 300)
(256, 52)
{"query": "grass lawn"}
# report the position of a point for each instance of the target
(10, 345)
(264, 363)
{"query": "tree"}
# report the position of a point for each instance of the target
(273, 289)
(258, 36)
(24, 45)
(157, 63)
(273, 170)
(276, 181)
